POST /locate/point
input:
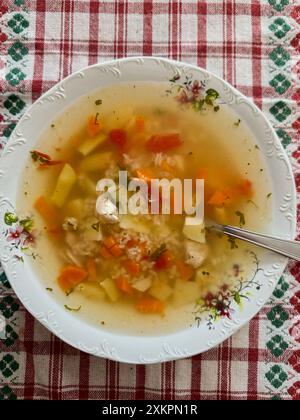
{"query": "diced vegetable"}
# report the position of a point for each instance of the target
(128, 221)
(146, 174)
(118, 137)
(163, 142)
(196, 253)
(245, 188)
(49, 213)
(91, 269)
(164, 261)
(132, 267)
(124, 285)
(148, 305)
(96, 162)
(93, 126)
(71, 276)
(91, 290)
(194, 232)
(111, 289)
(87, 185)
(186, 272)
(143, 284)
(220, 215)
(104, 252)
(185, 292)
(64, 184)
(160, 290)
(219, 198)
(90, 144)
(112, 246)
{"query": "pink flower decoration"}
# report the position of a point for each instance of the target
(15, 233)
(294, 391)
(295, 330)
(296, 14)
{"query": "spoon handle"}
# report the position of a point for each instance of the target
(284, 247)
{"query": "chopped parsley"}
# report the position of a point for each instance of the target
(158, 252)
(49, 289)
(241, 216)
(96, 118)
(253, 203)
(269, 195)
(205, 273)
(237, 123)
(52, 125)
(256, 147)
(73, 309)
(98, 102)
(232, 242)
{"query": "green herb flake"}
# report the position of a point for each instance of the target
(27, 224)
(232, 242)
(269, 195)
(253, 203)
(256, 147)
(72, 309)
(10, 218)
(237, 123)
(49, 289)
(241, 216)
(98, 102)
(52, 125)
(205, 273)
(158, 252)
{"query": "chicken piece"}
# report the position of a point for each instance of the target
(196, 253)
(107, 211)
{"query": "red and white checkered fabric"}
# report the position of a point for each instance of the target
(229, 38)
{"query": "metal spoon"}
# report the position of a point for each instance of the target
(290, 249)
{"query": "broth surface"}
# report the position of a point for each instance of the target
(215, 145)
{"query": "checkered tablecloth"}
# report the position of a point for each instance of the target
(255, 45)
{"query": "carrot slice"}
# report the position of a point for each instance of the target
(146, 174)
(70, 276)
(124, 285)
(49, 213)
(119, 138)
(109, 241)
(218, 198)
(163, 142)
(245, 188)
(148, 305)
(116, 251)
(104, 252)
(93, 126)
(186, 272)
(91, 269)
(164, 261)
(132, 267)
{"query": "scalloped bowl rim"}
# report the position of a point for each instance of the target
(89, 338)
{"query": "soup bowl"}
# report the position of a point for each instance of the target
(213, 327)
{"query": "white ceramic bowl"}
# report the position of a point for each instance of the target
(64, 324)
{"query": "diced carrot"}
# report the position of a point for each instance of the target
(132, 267)
(104, 252)
(71, 276)
(49, 213)
(91, 268)
(109, 241)
(116, 250)
(148, 305)
(164, 261)
(218, 198)
(93, 126)
(124, 285)
(245, 188)
(119, 138)
(146, 174)
(163, 142)
(185, 270)
(140, 123)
